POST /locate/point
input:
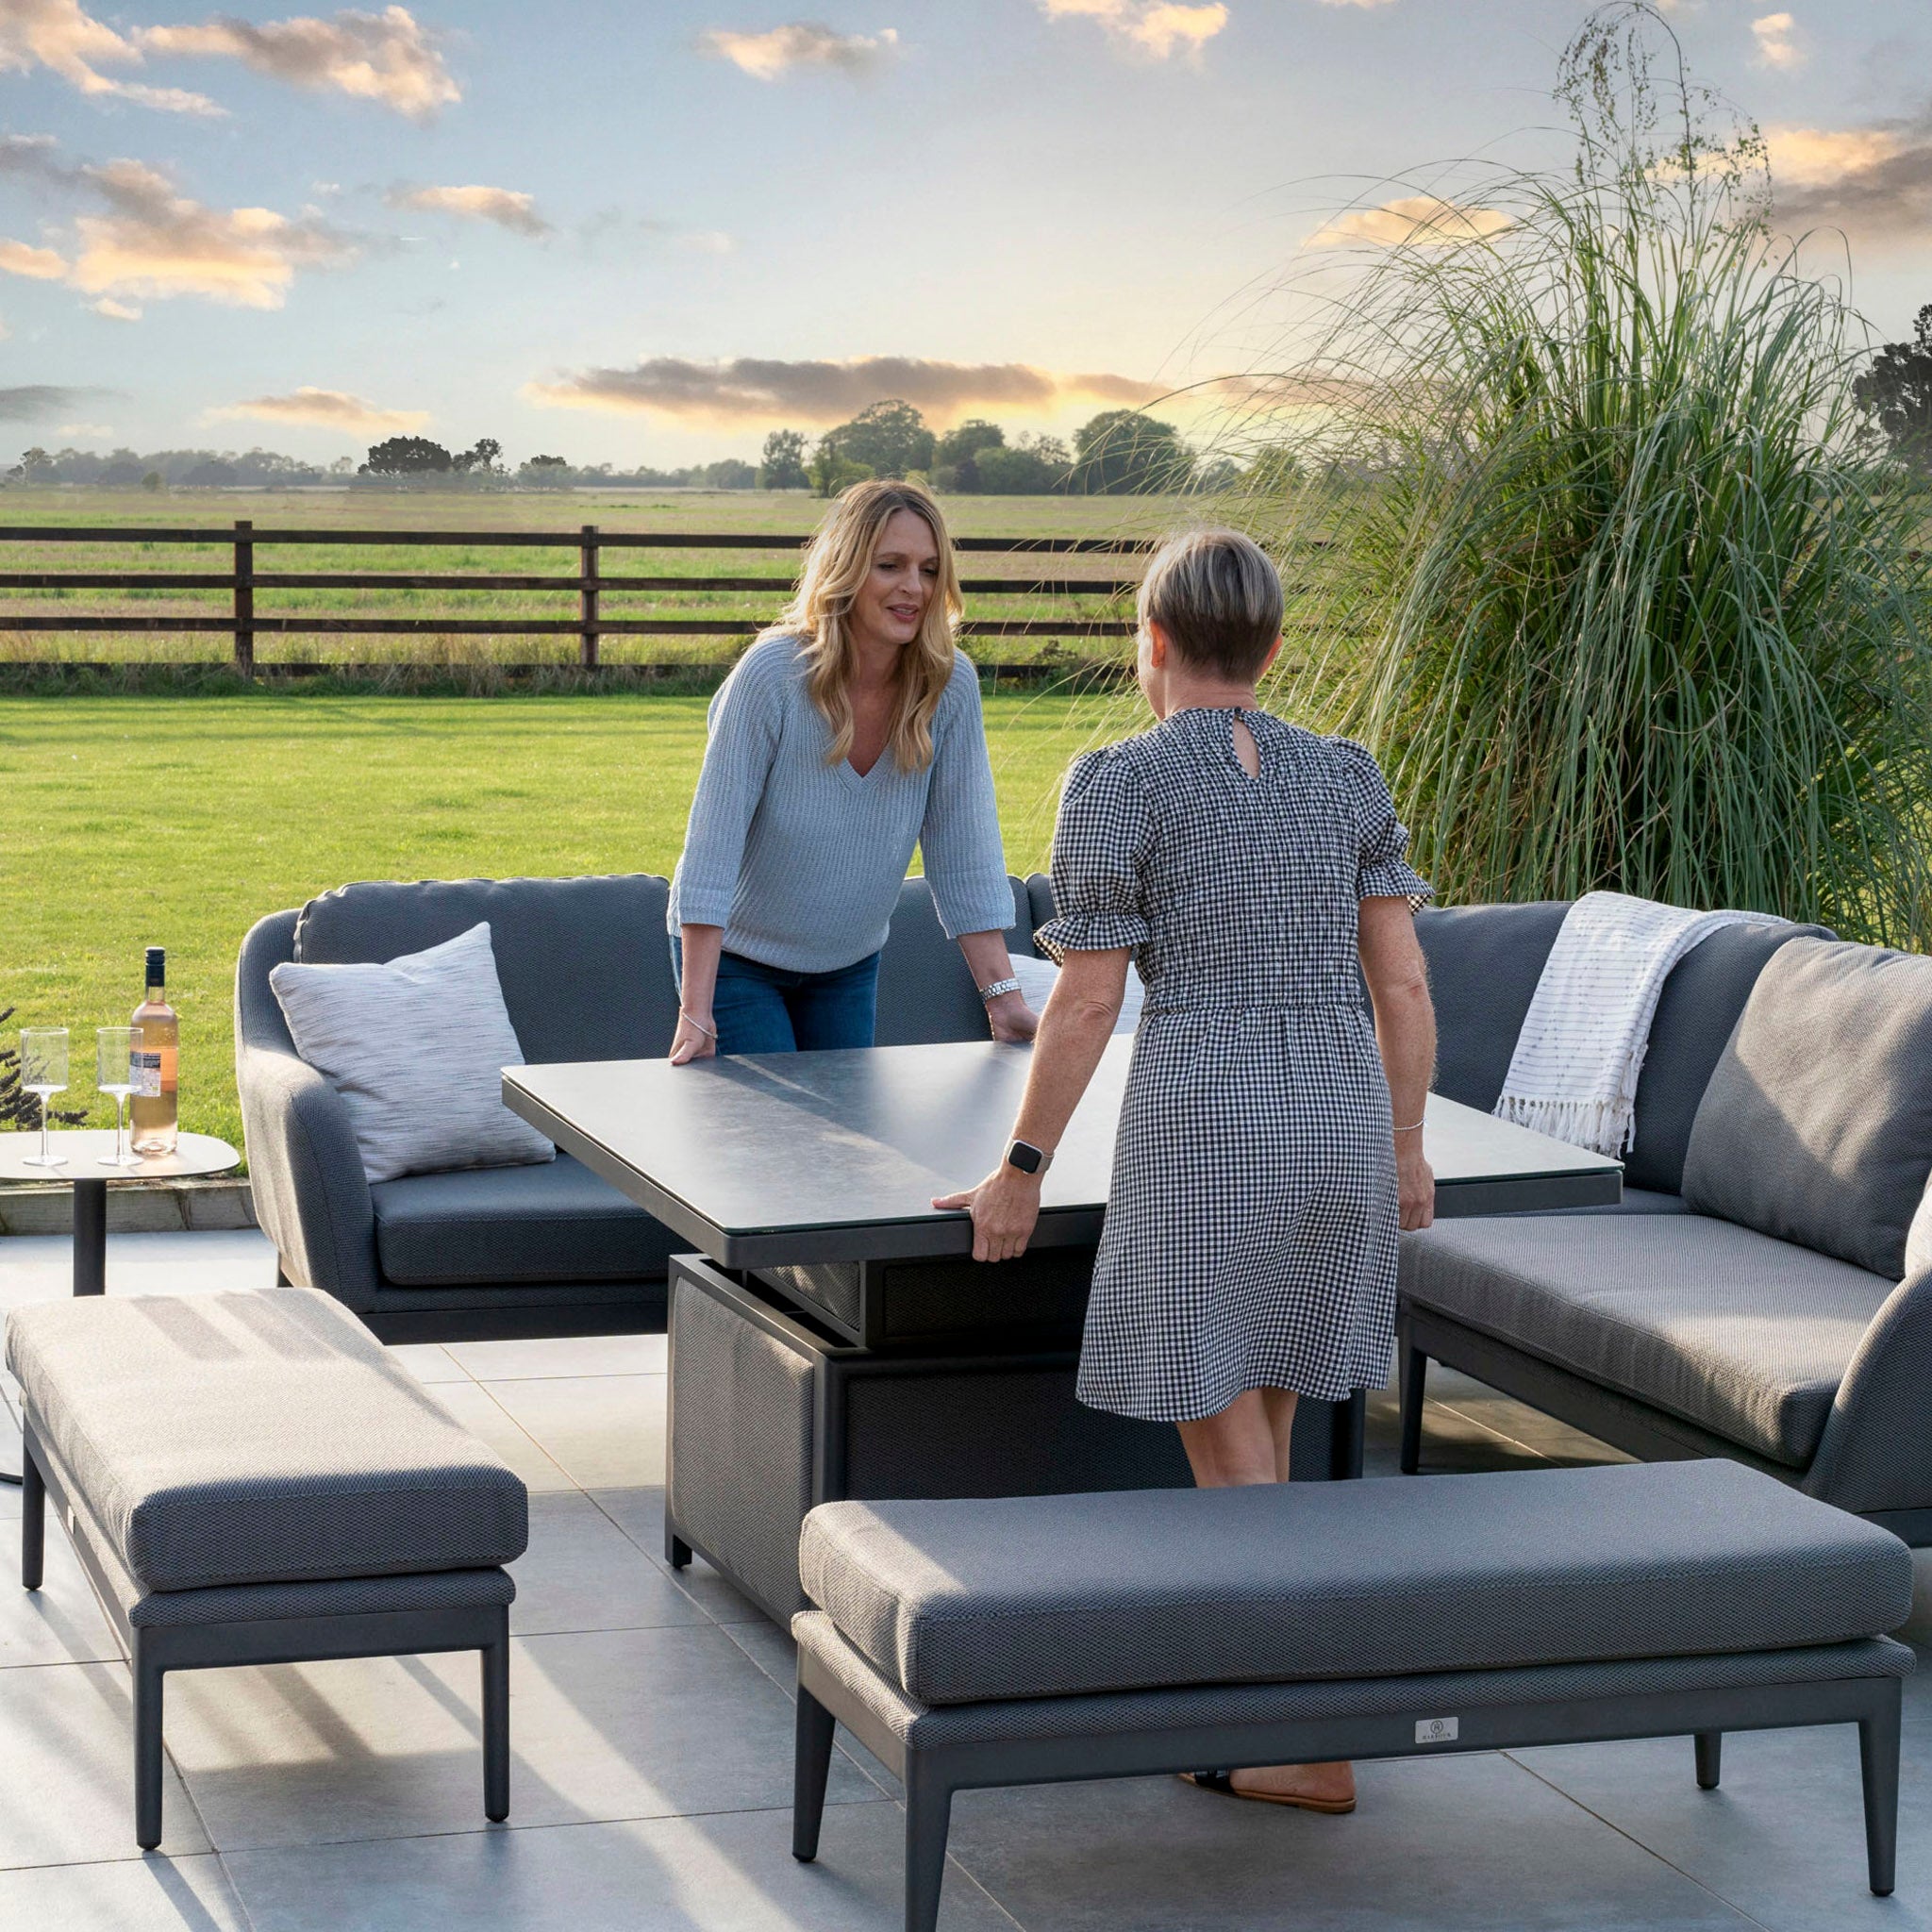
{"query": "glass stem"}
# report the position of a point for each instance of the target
(43, 1130)
(119, 1130)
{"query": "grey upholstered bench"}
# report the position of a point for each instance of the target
(1034, 1640)
(248, 1478)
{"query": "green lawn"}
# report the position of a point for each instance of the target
(131, 822)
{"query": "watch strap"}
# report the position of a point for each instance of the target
(993, 991)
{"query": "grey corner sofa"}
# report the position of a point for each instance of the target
(549, 1249)
(1747, 1299)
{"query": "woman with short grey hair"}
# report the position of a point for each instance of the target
(1269, 1142)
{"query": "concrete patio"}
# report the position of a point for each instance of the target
(652, 1739)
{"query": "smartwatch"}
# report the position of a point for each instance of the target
(1028, 1157)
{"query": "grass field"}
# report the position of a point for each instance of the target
(748, 512)
(133, 821)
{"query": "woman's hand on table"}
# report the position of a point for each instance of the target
(1004, 1206)
(1011, 1018)
(693, 1040)
(1415, 1182)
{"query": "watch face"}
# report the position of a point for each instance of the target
(1024, 1157)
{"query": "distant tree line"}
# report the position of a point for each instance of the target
(1895, 392)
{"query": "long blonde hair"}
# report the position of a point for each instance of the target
(836, 565)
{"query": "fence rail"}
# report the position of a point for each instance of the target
(588, 583)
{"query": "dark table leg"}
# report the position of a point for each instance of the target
(90, 1236)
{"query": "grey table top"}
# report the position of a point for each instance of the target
(194, 1156)
(777, 1159)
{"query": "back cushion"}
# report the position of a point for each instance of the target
(1699, 1006)
(925, 989)
(585, 962)
(1483, 964)
(1817, 1124)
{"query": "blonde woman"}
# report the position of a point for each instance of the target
(848, 734)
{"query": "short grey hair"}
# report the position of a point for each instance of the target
(1217, 597)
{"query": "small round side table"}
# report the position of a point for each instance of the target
(195, 1156)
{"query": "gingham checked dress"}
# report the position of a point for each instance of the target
(1250, 1239)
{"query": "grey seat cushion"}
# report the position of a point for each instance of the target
(1817, 1124)
(1045, 1596)
(264, 1438)
(554, 1222)
(925, 989)
(585, 963)
(1745, 1336)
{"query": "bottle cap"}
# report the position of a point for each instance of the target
(158, 965)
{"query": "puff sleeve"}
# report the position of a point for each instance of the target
(1098, 844)
(1382, 869)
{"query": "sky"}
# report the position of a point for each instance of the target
(649, 233)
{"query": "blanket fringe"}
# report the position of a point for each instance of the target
(1605, 1127)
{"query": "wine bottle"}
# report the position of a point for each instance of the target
(156, 1064)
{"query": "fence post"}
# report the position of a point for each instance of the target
(244, 596)
(587, 597)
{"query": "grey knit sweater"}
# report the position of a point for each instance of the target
(801, 861)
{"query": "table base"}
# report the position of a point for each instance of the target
(770, 1414)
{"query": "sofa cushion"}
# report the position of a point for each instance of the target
(616, 1001)
(1817, 1124)
(256, 1437)
(1744, 1336)
(1700, 1004)
(1047, 1596)
(554, 1222)
(925, 988)
(1483, 964)
(414, 1046)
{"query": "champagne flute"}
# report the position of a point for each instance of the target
(43, 1071)
(115, 1048)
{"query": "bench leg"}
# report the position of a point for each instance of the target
(1415, 1371)
(147, 1748)
(1879, 1762)
(928, 1814)
(33, 1517)
(496, 1726)
(1710, 1747)
(811, 1769)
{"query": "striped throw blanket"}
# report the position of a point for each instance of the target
(1573, 1074)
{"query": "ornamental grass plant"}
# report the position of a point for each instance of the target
(1583, 536)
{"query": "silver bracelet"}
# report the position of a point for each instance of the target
(697, 1023)
(996, 989)
(1410, 1130)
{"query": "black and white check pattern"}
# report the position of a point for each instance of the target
(1251, 1225)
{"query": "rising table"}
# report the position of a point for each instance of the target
(833, 1336)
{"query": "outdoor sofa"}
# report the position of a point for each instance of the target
(547, 1249)
(1749, 1298)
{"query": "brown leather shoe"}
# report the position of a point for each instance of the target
(1222, 1782)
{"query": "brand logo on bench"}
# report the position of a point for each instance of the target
(1436, 1730)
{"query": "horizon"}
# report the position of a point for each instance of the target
(649, 242)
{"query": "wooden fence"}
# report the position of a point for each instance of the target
(586, 584)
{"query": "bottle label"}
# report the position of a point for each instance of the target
(146, 1075)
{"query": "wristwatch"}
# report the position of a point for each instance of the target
(1028, 1157)
(990, 992)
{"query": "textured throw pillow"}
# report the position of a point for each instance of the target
(1037, 978)
(1817, 1124)
(415, 1047)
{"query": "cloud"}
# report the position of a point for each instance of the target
(1154, 27)
(90, 429)
(1666, 4)
(1775, 46)
(1415, 221)
(506, 207)
(386, 57)
(35, 400)
(147, 239)
(1874, 183)
(327, 409)
(66, 40)
(42, 264)
(706, 242)
(771, 54)
(116, 311)
(752, 388)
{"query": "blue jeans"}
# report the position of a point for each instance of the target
(759, 1008)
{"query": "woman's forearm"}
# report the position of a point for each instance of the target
(702, 945)
(986, 956)
(1406, 1032)
(1074, 1032)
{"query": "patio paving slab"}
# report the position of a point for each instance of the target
(564, 1355)
(732, 1873)
(62, 1622)
(582, 1572)
(639, 1513)
(479, 1411)
(66, 1770)
(154, 1894)
(604, 1431)
(604, 1725)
